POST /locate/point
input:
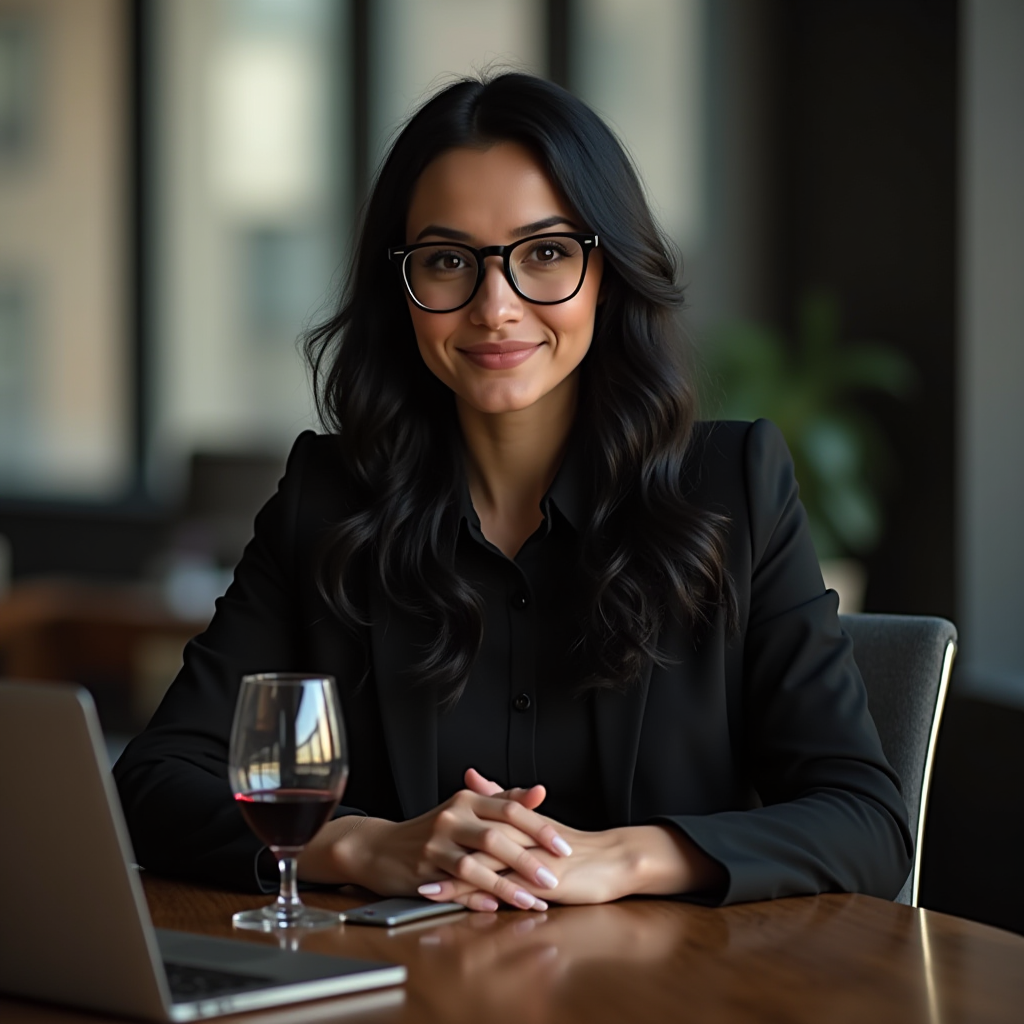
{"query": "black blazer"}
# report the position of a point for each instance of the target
(758, 745)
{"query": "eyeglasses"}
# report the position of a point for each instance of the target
(442, 277)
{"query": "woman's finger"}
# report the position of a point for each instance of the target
(473, 899)
(478, 784)
(534, 825)
(531, 798)
(456, 891)
(453, 859)
(493, 863)
(497, 845)
(514, 834)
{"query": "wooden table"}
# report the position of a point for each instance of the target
(822, 959)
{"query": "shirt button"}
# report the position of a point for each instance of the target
(522, 702)
(520, 600)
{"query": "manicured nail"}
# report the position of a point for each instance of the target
(561, 846)
(539, 905)
(430, 889)
(489, 904)
(524, 900)
(545, 878)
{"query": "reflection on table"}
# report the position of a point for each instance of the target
(826, 958)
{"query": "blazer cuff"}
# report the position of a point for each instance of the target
(800, 848)
(716, 897)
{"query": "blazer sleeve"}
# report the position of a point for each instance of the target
(833, 818)
(172, 778)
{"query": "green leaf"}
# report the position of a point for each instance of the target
(877, 368)
(833, 448)
(841, 456)
(854, 515)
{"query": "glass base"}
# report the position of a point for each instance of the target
(271, 918)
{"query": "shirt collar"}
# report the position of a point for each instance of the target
(467, 513)
(568, 491)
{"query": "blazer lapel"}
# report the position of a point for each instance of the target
(617, 721)
(408, 711)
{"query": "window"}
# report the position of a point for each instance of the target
(418, 47)
(261, 121)
(64, 409)
(252, 207)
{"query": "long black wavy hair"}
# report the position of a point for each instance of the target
(646, 553)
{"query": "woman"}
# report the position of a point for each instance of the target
(583, 644)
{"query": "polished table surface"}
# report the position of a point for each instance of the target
(825, 958)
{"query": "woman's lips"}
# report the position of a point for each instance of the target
(501, 355)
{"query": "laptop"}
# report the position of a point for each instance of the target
(74, 924)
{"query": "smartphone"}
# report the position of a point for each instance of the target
(389, 913)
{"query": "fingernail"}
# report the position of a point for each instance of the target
(539, 905)
(430, 889)
(523, 899)
(546, 879)
(490, 905)
(561, 846)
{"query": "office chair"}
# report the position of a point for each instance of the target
(906, 661)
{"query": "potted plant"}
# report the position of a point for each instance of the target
(809, 389)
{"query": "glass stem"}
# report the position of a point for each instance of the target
(289, 906)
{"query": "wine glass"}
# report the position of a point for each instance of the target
(288, 766)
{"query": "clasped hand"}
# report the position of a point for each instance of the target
(600, 868)
(480, 848)
(488, 844)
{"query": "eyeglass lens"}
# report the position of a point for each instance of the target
(443, 276)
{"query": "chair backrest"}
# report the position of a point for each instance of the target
(906, 661)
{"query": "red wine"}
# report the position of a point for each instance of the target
(286, 817)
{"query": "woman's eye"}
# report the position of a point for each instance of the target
(448, 261)
(547, 252)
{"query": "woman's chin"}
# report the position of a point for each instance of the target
(500, 397)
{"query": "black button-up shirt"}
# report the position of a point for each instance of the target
(521, 719)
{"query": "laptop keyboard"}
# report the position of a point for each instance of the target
(189, 983)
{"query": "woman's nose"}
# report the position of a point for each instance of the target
(496, 302)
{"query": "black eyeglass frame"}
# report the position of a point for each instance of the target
(588, 243)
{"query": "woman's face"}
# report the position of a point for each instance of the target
(499, 353)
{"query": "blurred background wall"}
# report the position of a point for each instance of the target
(180, 181)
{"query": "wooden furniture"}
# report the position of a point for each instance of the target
(121, 641)
(824, 958)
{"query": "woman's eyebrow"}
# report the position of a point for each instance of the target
(543, 225)
(521, 232)
(443, 232)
